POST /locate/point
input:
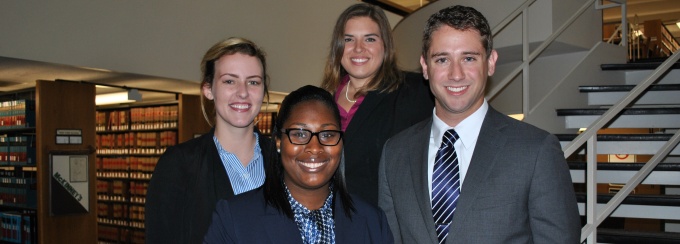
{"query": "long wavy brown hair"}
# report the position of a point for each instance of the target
(388, 78)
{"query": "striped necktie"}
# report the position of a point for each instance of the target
(445, 185)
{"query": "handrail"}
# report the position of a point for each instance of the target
(589, 231)
(594, 216)
(611, 38)
(624, 21)
(591, 227)
(538, 51)
(614, 110)
(511, 17)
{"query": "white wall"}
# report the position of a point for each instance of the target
(543, 16)
(408, 33)
(168, 38)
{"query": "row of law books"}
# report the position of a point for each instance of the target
(138, 191)
(17, 114)
(18, 227)
(122, 222)
(264, 122)
(113, 190)
(17, 190)
(142, 164)
(135, 142)
(137, 216)
(114, 234)
(113, 211)
(120, 214)
(18, 197)
(147, 118)
(17, 150)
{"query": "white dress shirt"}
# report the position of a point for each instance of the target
(468, 132)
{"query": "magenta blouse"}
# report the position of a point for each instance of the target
(346, 116)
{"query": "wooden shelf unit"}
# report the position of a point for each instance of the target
(129, 146)
(64, 105)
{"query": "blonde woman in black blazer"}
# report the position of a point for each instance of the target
(361, 70)
(191, 177)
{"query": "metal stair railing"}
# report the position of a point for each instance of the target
(526, 57)
(589, 231)
(624, 21)
(633, 40)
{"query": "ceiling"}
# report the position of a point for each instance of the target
(19, 74)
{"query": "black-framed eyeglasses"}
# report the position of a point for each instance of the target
(303, 137)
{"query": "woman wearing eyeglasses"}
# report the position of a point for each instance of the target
(304, 198)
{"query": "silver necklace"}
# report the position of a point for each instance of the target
(347, 91)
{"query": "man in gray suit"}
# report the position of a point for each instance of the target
(509, 181)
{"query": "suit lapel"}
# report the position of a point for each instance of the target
(483, 160)
(346, 230)
(365, 110)
(279, 228)
(221, 181)
(418, 163)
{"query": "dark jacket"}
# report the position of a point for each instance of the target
(246, 218)
(186, 184)
(380, 116)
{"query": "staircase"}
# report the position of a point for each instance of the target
(642, 128)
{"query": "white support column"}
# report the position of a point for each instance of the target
(591, 191)
(525, 58)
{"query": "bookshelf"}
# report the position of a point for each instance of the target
(129, 143)
(661, 41)
(265, 122)
(17, 168)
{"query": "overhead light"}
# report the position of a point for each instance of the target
(129, 96)
(678, 23)
(519, 117)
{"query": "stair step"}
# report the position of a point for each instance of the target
(625, 111)
(638, 206)
(628, 118)
(621, 173)
(577, 165)
(625, 143)
(646, 200)
(627, 88)
(664, 94)
(620, 137)
(636, 66)
(605, 235)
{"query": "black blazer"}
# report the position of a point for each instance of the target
(246, 218)
(380, 116)
(186, 184)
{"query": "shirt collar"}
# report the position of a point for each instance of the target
(256, 150)
(300, 209)
(467, 130)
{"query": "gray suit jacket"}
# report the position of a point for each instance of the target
(517, 188)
